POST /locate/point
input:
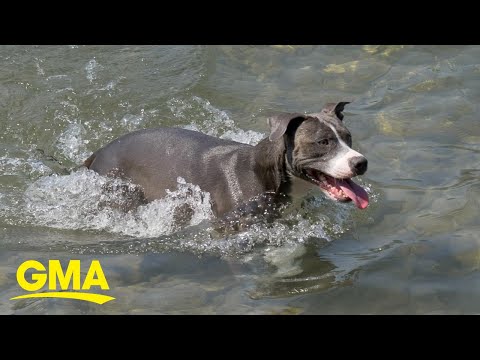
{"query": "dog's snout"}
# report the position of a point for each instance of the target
(359, 165)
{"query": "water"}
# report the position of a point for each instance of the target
(414, 250)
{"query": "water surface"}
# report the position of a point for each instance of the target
(414, 250)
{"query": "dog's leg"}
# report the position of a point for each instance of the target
(265, 207)
(121, 195)
(182, 215)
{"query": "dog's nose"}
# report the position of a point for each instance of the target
(359, 165)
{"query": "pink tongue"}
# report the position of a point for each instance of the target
(355, 192)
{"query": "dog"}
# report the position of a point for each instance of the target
(315, 148)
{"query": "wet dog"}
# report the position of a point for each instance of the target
(315, 148)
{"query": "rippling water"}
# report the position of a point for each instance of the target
(415, 249)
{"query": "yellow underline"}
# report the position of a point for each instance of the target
(95, 298)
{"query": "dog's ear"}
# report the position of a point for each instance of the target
(279, 124)
(335, 108)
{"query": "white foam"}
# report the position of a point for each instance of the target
(208, 119)
(19, 166)
(73, 202)
(72, 143)
(287, 232)
(92, 68)
(59, 77)
(247, 137)
(132, 122)
(285, 259)
(40, 70)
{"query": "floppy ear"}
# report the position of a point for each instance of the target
(335, 108)
(279, 124)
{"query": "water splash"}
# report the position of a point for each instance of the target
(132, 122)
(76, 201)
(38, 63)
(13, 166)
(208, 119)
(202, 239)
(91, 69)
(72, 143)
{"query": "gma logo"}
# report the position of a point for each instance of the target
(55, 274)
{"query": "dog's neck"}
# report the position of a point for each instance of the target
(271, 165)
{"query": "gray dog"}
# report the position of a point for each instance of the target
(315, 148)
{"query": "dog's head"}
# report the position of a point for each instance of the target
(319, 151)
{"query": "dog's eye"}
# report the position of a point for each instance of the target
(324, 142)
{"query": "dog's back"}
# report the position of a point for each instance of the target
(155, 158)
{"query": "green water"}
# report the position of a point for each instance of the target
(414, 250)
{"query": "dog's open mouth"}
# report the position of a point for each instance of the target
(339, 189)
